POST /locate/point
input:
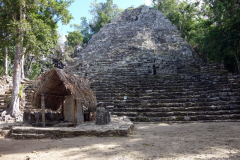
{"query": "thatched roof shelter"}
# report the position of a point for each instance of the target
(56, 84)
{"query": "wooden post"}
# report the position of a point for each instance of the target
(75, 107)
(80, 116)
(43, 110)
(63, 108)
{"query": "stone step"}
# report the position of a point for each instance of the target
(164, 98)
(168, 109)
(199, 118)
(159, 89)
(2, 104)
(3, 99)
(28, 103)
(120, 126)
(176, 113)
(8, 92)
(29, 91)
(28, 107)
(27, 136)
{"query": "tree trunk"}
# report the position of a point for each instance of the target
(238, 63)
(28, 67)
(14, 103)
(6, 61)
(13, 109)
(22, 72)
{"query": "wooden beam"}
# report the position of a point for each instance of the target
(52, 95)
(43, 110)
(75, 107)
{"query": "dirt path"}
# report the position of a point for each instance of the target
(149, 141)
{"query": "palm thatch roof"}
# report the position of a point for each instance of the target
(56, 84)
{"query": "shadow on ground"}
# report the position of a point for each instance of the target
(148, 141)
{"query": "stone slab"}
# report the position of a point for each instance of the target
(119, 126)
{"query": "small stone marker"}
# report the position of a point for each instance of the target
(102, 116)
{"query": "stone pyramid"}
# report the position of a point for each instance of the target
(140, 67)
(141, 34)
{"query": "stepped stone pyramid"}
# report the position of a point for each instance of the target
(137, 35)
(139, 66)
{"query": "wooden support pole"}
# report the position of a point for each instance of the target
(63, 108)
(80, 116)
(75, 107)
(43, 110)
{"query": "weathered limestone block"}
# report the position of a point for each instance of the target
(102, 116)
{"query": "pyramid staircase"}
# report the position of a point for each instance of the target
(6, 88)
(29, 87)
(193, 94)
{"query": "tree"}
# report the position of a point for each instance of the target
(5, 38)
(183, 14)
(74, 38)
(221, 40)
(212, 27)
(33, 26)
(85, 29)
(102, 14)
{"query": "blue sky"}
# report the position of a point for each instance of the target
(80, 8)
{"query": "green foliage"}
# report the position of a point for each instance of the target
(102, 14)
(21, 91)
(35, 71)
(74, 38)
(34, 22)
(183, 15)
(1, 63)
(212, 27)
(222, 39)
(1, 70)
(8, 100)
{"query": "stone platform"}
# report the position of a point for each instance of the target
(119, 126)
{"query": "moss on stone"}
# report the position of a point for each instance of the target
(164, 53)
(180, 118)
(175, 90)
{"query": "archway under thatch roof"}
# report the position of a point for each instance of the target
(57, 86)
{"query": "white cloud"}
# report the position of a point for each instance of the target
(148, 2)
